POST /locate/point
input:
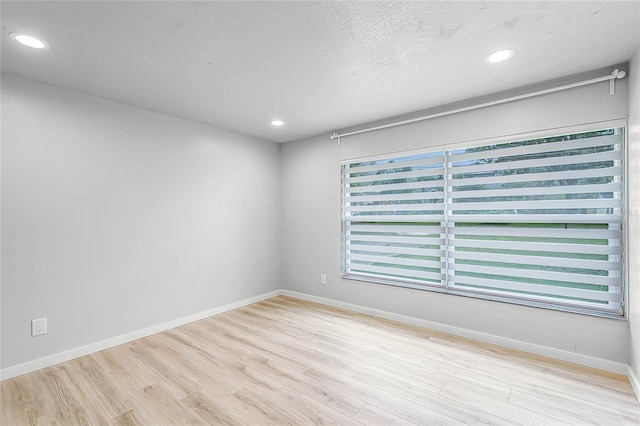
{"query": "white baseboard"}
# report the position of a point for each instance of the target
(54, 359)
(635, 382)
(559, 354)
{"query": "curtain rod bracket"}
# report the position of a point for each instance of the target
(334, 135)
(612, 83)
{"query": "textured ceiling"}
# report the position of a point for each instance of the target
(319, 66)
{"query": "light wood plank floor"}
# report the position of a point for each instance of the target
(287, 361)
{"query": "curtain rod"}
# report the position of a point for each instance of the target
(612, 77)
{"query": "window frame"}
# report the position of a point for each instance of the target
(535, 134)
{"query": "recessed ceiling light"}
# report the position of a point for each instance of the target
(499, 56)
(29, 40)
(277, 123)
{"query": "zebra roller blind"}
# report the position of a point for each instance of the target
(536, 221)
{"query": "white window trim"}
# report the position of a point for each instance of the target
(535, 134)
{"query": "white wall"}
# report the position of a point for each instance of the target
(115, 219)
(311, 200)
(634, 216)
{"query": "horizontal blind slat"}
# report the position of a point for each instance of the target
(398, 218)
(509, 231)
(531, 149)
(547, 190)
(413, 174)
(538, 204)
(394, 260)
(417, 229)
(395, 197)
(537, 163)
(543, 247)
(385, 187)
(537, 218)
(395, 207)
(539, 288)
(405, 239)
(388, 272)
(510, 273)
(351, 248)
(539, 260)
(536, 177)
(436, 159)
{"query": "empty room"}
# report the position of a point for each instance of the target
(320, 212)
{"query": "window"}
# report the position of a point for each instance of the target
(537, 221)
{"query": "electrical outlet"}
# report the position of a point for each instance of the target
(323, 278)
(38, 326)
